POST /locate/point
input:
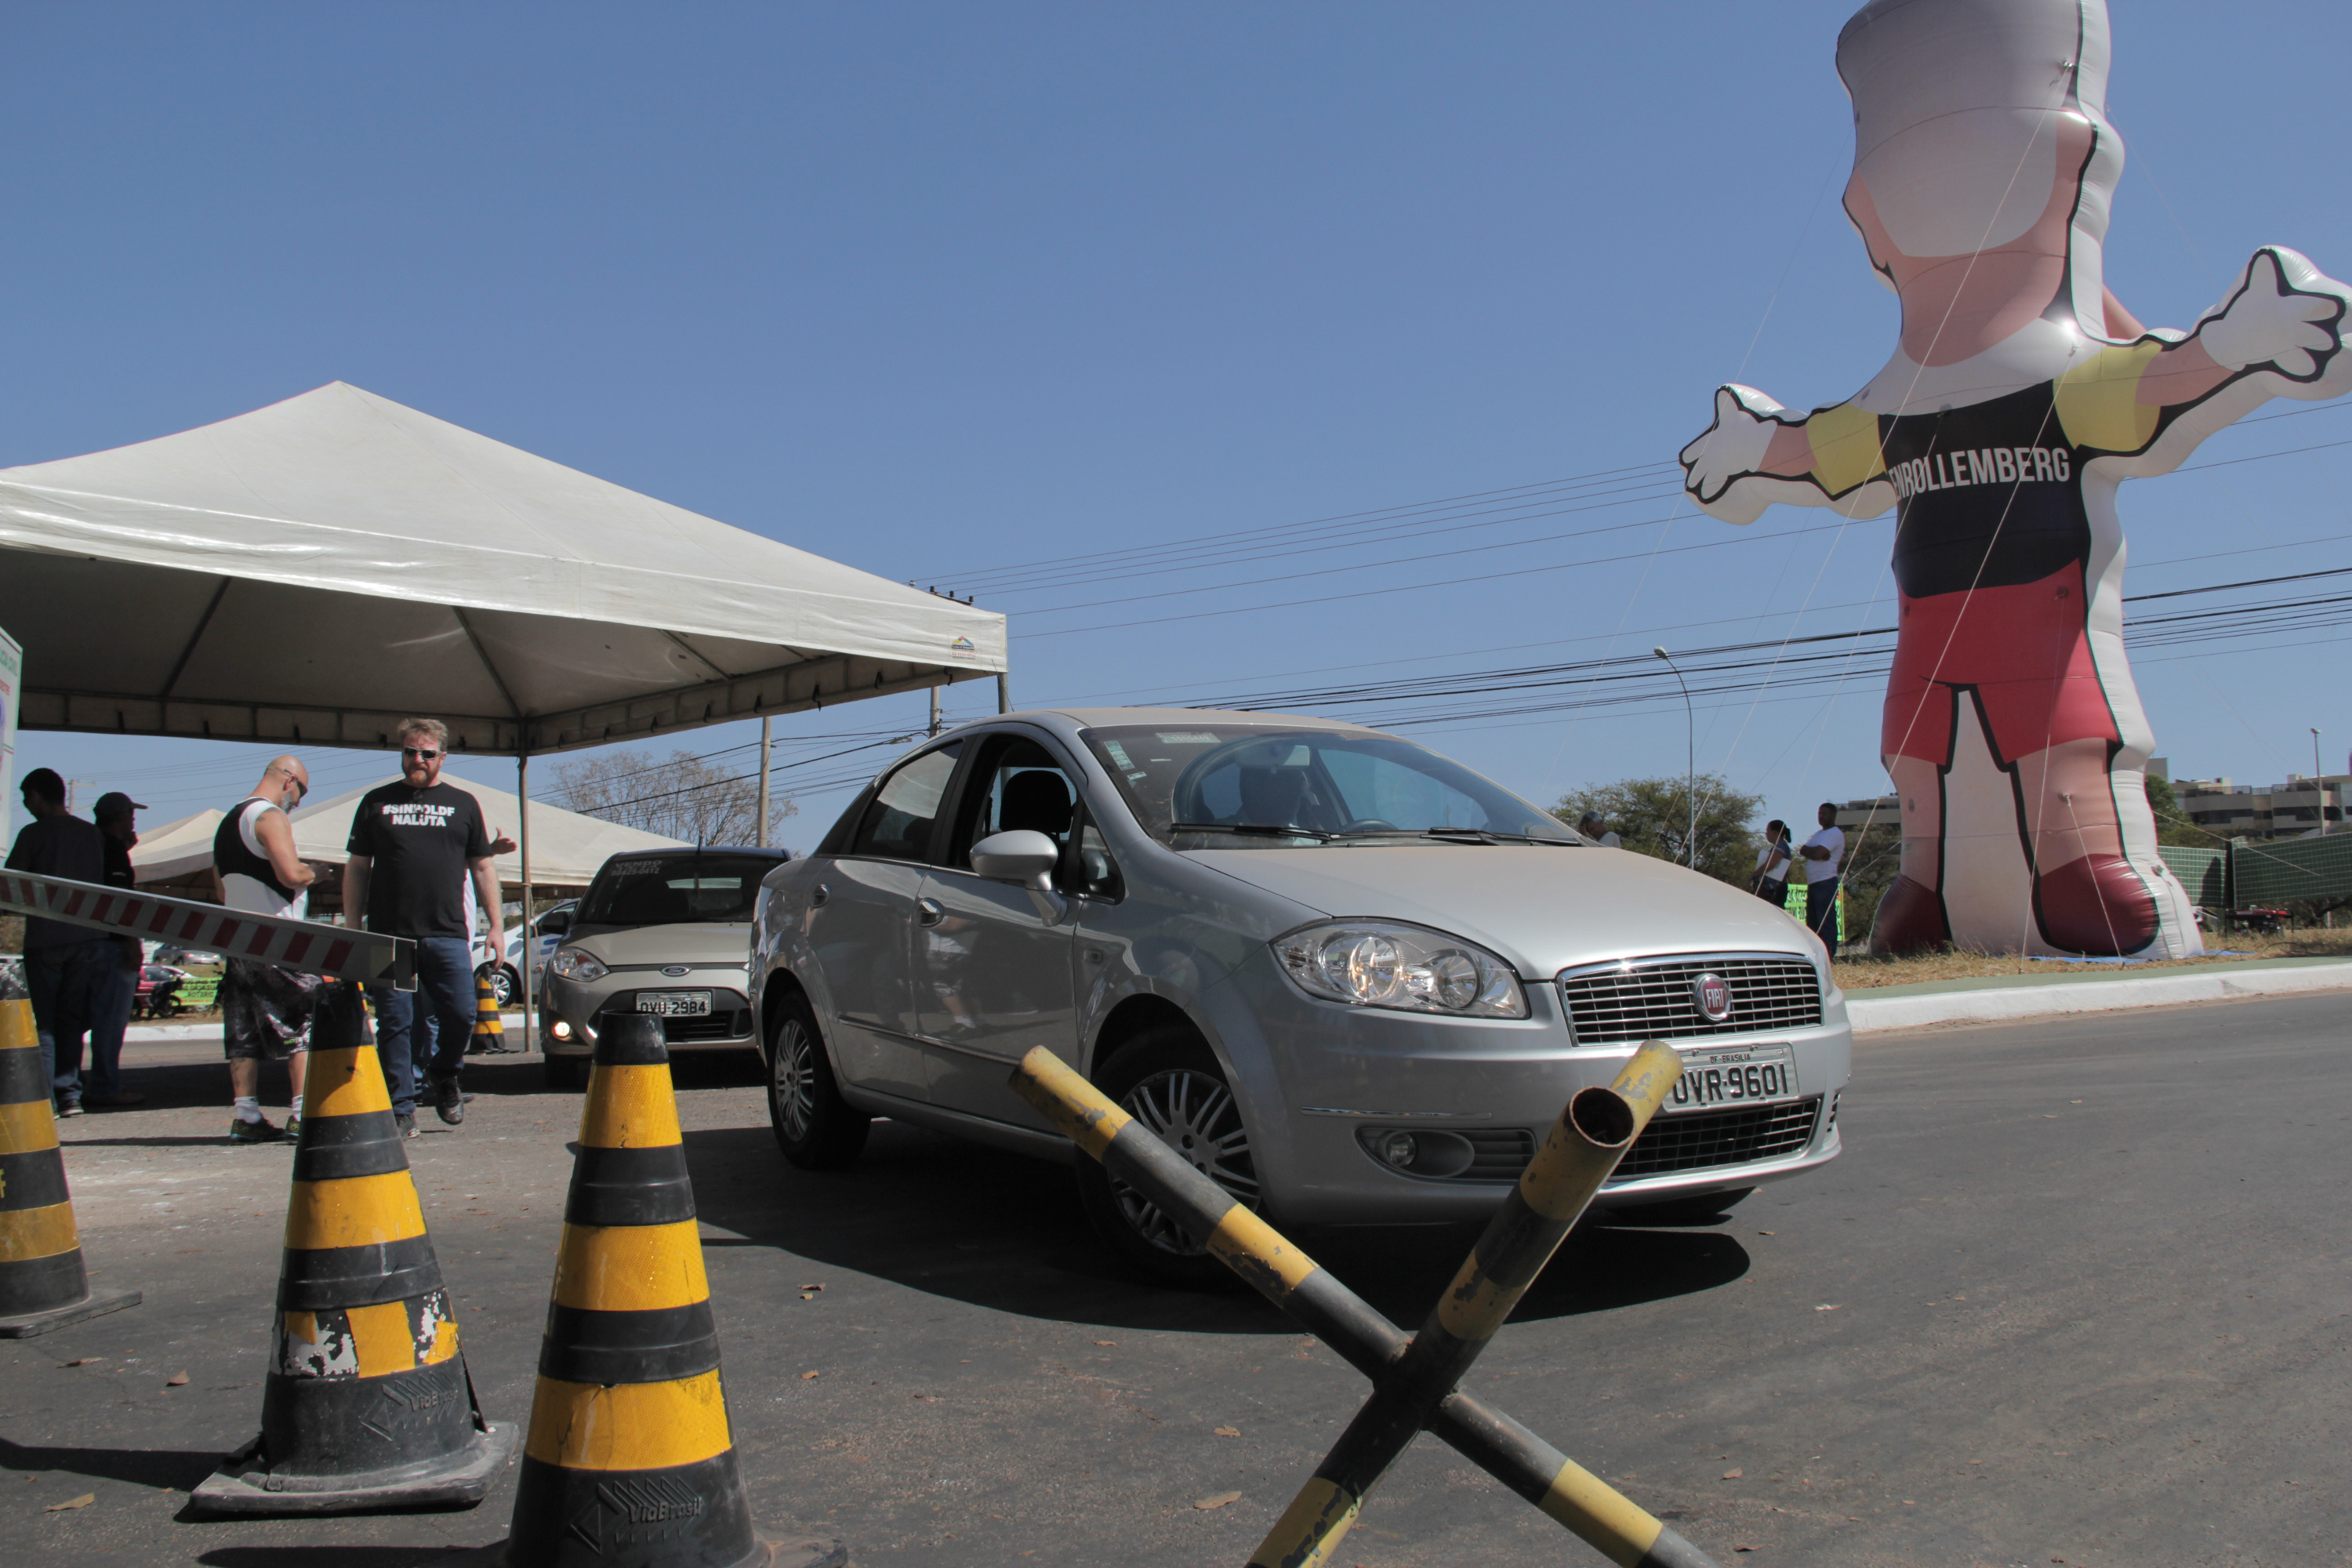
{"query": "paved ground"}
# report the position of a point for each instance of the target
(2078, 1293)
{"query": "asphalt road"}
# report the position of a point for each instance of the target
(2077, 1294)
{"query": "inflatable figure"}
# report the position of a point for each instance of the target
(2020, 393)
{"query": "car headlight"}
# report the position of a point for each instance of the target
(574, 964)
(1371, 963)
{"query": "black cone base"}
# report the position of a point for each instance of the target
(98, 1303)
(246, 1485)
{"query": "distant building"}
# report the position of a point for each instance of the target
(2296, 809)
(1886, 811)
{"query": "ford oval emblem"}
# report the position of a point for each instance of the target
(674, 969)
(1713, 993)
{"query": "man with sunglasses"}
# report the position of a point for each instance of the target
(265, 1010)
(414, 843)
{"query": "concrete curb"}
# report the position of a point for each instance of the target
(1869, 1015)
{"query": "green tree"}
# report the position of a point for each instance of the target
(2172, 824)
(1651, 817)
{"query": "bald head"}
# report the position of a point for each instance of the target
(285, 782)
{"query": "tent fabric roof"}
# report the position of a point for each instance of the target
(566, 848)
(313, 571)
(176, 848)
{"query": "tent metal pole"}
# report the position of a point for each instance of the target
(1004, 693)
(762, 837)
(530, 936)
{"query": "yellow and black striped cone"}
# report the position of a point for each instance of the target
(367, 1405)
(42, 1283)
(489, 1028)
(628, 1462)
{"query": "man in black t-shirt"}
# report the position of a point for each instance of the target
(413, 844)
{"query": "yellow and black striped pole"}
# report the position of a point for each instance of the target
(43, 1283)
(489, 1027)
(628, 1460)
(367, 1405)
(1583, 1503)
(1593, 1132)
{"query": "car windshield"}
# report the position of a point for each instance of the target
(1233, 786)
(674, 890)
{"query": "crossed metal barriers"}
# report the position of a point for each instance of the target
(1414, 1380)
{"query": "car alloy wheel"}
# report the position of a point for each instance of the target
(1192, 1112)
(792, 1081)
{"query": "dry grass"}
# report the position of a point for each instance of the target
(1859, 974)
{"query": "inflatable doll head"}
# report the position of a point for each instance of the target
(1983, 163)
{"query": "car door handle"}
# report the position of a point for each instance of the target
(928, 912)
(818, 894)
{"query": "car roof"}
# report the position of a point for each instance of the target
(672, 852)
(1092, 718)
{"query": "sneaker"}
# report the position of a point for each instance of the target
(293, 1127)
(240, 1130)
(449, 1102)
(407, 1125)
(69, 1108)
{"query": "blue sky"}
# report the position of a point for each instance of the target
(943, 291)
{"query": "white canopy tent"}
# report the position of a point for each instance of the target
(313, 572)
(176, 849)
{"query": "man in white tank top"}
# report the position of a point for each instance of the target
(265, 1010)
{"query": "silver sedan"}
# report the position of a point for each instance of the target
(1348, 978)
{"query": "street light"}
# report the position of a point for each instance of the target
(1690, 750)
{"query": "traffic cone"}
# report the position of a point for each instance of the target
(367, 1405)
(489, 1029)
(42, 1283)
(628, 1462)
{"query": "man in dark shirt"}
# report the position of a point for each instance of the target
(120, 828)
(65, 965)
(413, 844)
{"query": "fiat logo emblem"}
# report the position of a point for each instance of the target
(1713, 994)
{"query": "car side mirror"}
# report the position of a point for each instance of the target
(1023, 856)
(555, 923)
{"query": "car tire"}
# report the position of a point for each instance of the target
(505, 985)
(1169, 1080)
(1703, 1210)
(565, 1072)
(815, 1128)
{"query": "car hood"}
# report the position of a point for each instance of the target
(1540, 909)
(697, 944)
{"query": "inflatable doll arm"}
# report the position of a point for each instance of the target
(1756, 453)
(2284, 315)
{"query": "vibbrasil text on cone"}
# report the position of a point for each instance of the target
(43, 1283)
(628, 1461)
(367, 1405)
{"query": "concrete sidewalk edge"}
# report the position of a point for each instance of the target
(1868, 1014)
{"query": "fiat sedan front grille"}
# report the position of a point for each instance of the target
(1655, 998)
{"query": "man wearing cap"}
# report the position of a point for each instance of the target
(1593, 827)
(265, 1010)
(65, 965)
(119, 828)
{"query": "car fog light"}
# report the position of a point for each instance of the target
(1400, 1149)
(563, 1031)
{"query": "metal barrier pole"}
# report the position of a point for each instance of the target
(1278, 1269)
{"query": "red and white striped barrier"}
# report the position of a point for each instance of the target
(335, 951)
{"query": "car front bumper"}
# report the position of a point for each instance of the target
(1323, 1085)
(569, 1028)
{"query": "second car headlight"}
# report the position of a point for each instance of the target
(1371, 964)
(572, 963)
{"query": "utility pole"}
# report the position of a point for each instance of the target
(762, 837)
(2315, 770)
(935, 711)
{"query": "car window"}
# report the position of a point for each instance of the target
(1332, 785)
(1016, 783)
(674, 890)
(898, 822)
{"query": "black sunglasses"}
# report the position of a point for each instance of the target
(419, 752)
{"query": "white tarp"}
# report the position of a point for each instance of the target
(566, 848)
(175, 849)
(314, 571)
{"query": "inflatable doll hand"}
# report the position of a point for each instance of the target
(1733, 446)
(2269, 321)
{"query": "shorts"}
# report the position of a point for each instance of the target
(2022, 648)
(265, 1010)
